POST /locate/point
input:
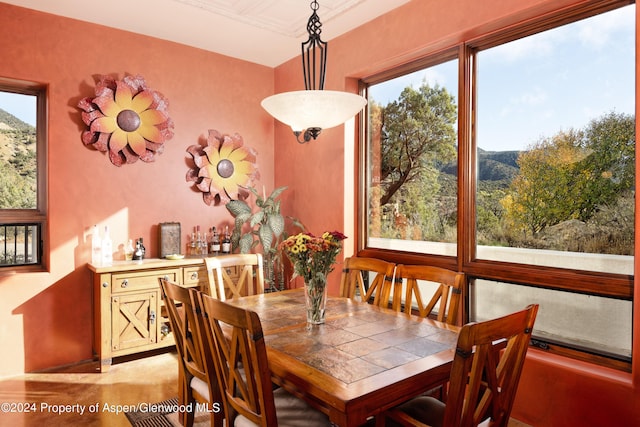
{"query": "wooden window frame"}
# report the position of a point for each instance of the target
(618, 286)
(39, 214)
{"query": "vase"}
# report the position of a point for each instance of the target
(316, 298)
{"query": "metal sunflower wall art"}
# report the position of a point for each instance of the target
(223, 169)
(126, 119)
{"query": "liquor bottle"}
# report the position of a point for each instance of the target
(107, 247)
(204, 244)
(142, 248)
(138, 254)
(96, 247)
(192, 244)
(128, 251)
(226, 241)
(198, 241)
(215, 242)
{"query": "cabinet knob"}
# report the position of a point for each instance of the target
(105, 285)
(124, 283)
(152, 317)
(194, 275)
(166, 277)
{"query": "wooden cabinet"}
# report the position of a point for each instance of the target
(129, 315)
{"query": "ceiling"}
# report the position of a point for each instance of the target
(267, 32)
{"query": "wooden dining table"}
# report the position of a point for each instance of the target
(364, 359)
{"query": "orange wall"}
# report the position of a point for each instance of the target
(45, 318)
(554, 391)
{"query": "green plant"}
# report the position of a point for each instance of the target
(264, 227)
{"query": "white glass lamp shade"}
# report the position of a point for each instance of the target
(305, 109)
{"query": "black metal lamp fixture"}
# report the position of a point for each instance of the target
(313, 109)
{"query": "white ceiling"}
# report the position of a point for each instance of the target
(267, 32)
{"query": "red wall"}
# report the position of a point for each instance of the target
(45, 318)
(554, 391)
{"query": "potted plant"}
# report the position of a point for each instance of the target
(264, 227)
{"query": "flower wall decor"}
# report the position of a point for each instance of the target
(223, 169)
(126, 119)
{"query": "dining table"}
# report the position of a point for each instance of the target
(362, 360)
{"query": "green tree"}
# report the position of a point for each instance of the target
(418, 135)
(609, 168)
(572, 174)
(16, 192)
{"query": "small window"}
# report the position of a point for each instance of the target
(23, 195)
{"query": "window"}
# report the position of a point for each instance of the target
(23, 195)
(412, 167)
(537, 204)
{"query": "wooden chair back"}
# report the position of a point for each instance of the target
(179, 305)
(352, 282)
(237, 344)
(486, 369)
(446, 299)
(235, 275)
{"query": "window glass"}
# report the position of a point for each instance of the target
(556, 146)
(22, 174)
(18, 151)
(584, 321)
(412, 166)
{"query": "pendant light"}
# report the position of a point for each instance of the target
(313, 109)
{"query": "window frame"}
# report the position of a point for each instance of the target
(618, 286)
(39, 214)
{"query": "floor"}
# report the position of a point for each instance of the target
(81, 396)
(57, 398)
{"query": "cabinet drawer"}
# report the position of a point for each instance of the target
(194, 276)
(125, 282)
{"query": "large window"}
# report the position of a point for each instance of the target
(536, 203)
(412, 151)
(22, 175)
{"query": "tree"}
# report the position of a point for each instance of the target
(573, 174)
(417, 134)
(545, 190)
(609, 169)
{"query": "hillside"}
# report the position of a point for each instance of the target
(11, 122)
(493, 166)
(17, 140)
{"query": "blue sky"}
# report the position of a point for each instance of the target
(556, 80)
(21, 106)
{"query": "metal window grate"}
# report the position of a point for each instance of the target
(19, 244)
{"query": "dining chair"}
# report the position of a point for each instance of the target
(197, 382)
(484, 377)
(357, 271)
(235, 275)
(444, 303)
(236, 343)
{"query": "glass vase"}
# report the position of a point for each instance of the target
(316, 298)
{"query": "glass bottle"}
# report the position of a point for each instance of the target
(96, 247)
(226, 241)
(215, 242)
(142, 248)
(107, 247)
(204, 244)
(128, 251)
(192, 244)
(137, 253)
(198, 241)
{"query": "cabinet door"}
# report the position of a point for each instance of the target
(133, 318)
